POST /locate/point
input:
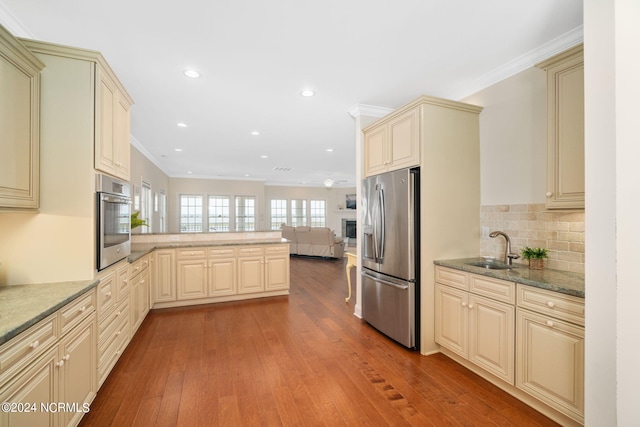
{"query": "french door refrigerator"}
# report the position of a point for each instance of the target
(390, 254)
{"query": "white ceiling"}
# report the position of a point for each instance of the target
(256, 56)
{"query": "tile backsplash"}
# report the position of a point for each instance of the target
(562, 233)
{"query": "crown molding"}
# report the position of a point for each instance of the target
(134, 142)
(368, 110)
(13, 24)
(521, 63)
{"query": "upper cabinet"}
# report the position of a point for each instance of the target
(565, 129)
(101, 95)
(19, 124)
(392, 143)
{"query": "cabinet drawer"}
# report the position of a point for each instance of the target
(108, 325)
(24, 348)
(139, 265)
(222, 252)
(192, 253)
(560, 306)
(277, 249)
(106, 294)
(251, 250)
(493, 288)
(123, 282)
(76, 311)
(110, 351)
(451, 277)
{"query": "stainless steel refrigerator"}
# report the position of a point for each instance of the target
(390, 254)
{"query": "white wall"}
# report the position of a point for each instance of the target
(513, 139)
(612, 89)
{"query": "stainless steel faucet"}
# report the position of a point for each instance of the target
(508, 256)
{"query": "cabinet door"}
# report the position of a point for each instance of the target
(38, 383)
(122, 134)
(19, 124)
(565, 127)
(105, 123)
(164, 276)
(276, 273)
(139, 299)
(404, 137)
(222, 277)
(250, 275)
(122, 282)
(192, 279)
(550, 360)
(451, 319)
(376, 150)
(492, 336)
(78, 382)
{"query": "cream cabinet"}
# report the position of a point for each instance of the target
(392, 143)
(114, 332)
(163, 279)
(53, 361)
(140, 286)
(222, 272)
(98, 104)
(19, 124)
(550, 349)
(112, 148)
(565, 129)
(474, 318)
(210, 274)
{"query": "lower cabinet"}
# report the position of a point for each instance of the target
(219, 273)
(139, 292)
(39, 371)
(477, 328)
(528, 341)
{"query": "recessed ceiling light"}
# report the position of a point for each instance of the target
(264, 157)
(329, 150)
(189, 172)
(255, 132)
(182, 125)
(177, 149)
(246, 174)
(307, 92)
(192, 73)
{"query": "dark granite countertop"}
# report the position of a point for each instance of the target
(139, 250)
(565, 282)
(22, 306)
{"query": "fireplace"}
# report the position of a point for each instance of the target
(349, 228)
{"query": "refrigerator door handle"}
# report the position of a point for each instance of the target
(382, 224)
(386, 282)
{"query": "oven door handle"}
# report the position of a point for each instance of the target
(105, 197)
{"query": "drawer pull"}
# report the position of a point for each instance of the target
(108, 294)
(470, 306)
(118, 313)
(34, 344)
(82, 309)
(67, 357)
(60, 364)
(550, 304)
(550, 323)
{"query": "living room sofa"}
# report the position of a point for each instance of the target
(313, 241)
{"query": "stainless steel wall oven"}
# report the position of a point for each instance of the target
(114, 220)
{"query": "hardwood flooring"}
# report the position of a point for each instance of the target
(299, 360)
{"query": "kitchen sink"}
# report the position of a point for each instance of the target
(491, 265)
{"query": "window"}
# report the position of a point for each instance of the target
(190, 213)
(219, 213)
(318, 212)
(298, 212)
(245, 213)
(278, 213)
(145, 206)
(162, 211)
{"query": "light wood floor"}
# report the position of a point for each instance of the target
(298, 360)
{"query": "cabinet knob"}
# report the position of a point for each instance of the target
(34, 344)
(82, 309)
(470, 306)
(60, 364)
(549, 323)
(67, 357)
(549, 194)
(108, 294)
(464, 304)
(550, 304)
